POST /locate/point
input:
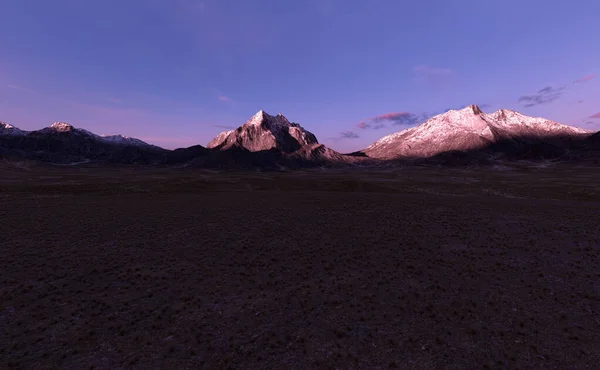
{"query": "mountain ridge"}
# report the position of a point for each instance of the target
(467, 135)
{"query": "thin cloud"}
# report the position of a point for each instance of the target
(425, 70)
(224, 99)
(395, 118)
(585, 79)
(349, 135)
(20, 88)
(595, 116)
(403, 118)
(370, 125)
(226, 127)
(544, 96)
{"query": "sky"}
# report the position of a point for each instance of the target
(175, 73)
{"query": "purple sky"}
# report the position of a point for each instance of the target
(177, 72)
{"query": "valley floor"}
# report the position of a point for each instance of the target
(411, 268)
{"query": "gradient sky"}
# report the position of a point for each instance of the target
(177, 72)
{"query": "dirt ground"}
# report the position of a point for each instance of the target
(136, 268)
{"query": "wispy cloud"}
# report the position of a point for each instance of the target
(550, 93)
(544, 96)
(224, 99)
(595, 116)
(400, 118)
(349, 135)
(395, 118)
(20, 88)
(584, 79)
(226, 127)
(370, 125)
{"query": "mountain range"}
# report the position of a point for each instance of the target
(465, 136)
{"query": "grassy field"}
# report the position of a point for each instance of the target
(138, 268)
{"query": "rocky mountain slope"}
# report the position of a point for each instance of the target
(470, 129)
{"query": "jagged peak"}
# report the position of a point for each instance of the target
(263, 132)
(262, 116)
(258, 117)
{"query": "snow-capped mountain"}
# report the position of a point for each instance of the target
(8, 129)
(63, 127)
(265, 132)
(62, 142)
(464, 130)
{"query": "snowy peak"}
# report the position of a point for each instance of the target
(61, 127)
(257, 118)
(8, 129)
(64, 128)
(265, 132)
(265, 119)
(465, 129)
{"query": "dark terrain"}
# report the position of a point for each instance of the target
(412, 268)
